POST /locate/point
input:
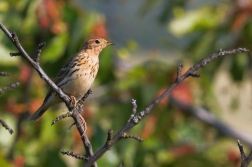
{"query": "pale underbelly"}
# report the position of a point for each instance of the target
(78, 86)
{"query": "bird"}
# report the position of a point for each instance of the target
(76, 76)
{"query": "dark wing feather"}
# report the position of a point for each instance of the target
(61, 75)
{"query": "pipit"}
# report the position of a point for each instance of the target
(76, 76)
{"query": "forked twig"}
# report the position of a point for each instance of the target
(35, 64)
(138, 117)
(246, 160)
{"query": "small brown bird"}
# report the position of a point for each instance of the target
(76, 76)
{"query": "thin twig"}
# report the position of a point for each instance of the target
(81, 129)
(9, 87)
(4, 74)
(15, 54)
(134, 109)
(179, 70)
(6, 126)
(71, 126)
(191, 72)
(246, 160)
(89, 92)
(134, 120)
(194, 75)
(126, 136)
(37, 57)
(243, 156)
(13, 37)
(68, 114)
(110, 133)
(137, 118)
(76, 116)
(72, 154)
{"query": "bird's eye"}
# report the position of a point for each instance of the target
(97, 41)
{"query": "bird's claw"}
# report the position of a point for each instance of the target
(73, 101)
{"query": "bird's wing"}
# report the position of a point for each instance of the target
(61, 75)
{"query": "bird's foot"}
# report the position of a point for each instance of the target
(83, 123)
(73, 101)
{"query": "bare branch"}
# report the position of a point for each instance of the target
(9, 87)
(69, 114)
(110, 133)
(245, 159)
(81, 129)
(4, 74)
(179, 70)
(13, 37)
(191, 72)
(134, 106)
(126, 136)
(71, 126)
(78, 122)
(89, 92)
(36, 58)
(91, 158)
(194, 75)
(134, 109)
(66, 99)
(72, 154)
(6, 126)
(137, 118)
(15, 54)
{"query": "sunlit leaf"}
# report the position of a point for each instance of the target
(199, 19)
(55, 48)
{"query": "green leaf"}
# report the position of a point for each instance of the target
(55, 48)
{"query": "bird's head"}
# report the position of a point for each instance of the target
(96, 44)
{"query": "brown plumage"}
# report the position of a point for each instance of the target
(77, 75)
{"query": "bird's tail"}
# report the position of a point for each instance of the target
(38, 113)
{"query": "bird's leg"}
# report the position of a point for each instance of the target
(73, 101)
(83, 123)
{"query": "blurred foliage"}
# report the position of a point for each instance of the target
(172, 137)
(209, 26)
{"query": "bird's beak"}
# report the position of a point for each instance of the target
(110, 43)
